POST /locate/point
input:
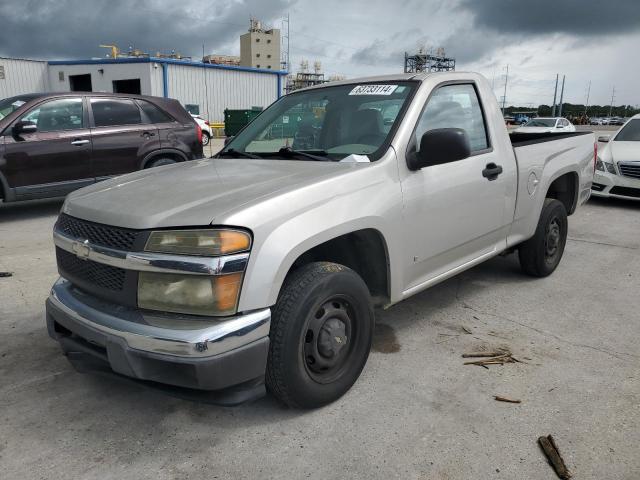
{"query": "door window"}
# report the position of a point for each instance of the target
(153, 113)
(109, 112)
(455, 106)
(57, 115)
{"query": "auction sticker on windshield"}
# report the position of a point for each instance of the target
(373, 90)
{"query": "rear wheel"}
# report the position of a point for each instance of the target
(158, 162)
(540, 255)
(205, 138)
(321, 333)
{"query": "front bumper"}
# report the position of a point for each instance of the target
(190, 354)
(606, 184)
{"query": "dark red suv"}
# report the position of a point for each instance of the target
(52, 144)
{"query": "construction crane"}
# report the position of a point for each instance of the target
(115, 51)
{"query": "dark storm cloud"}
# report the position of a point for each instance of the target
(573, 17)
(74, 28)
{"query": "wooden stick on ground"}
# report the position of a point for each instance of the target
(505, 399)
(552, 453)
(499, 353)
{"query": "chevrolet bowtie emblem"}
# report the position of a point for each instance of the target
(81, 249)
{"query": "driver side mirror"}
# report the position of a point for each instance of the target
(21, 128)
(438, 146)
(604, 138)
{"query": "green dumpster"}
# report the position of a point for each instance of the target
(235, 120)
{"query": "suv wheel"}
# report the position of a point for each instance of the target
(158, 162)
(321, 333)
(205, 138)
(541, 254)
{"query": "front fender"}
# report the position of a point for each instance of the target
(375, 204)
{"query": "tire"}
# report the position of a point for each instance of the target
(205, 138)
(321, 334)
(158, 162)
(540, 255)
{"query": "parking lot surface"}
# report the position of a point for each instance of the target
(416, 412)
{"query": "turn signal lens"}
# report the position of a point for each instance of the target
(208, 243)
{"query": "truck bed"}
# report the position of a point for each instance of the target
(522, 139)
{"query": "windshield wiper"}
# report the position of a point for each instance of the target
(234, 152)
(289, 151)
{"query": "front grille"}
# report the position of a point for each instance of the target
(626, 191)
(97, 234)
(630, 169)
(94, 273)
(598, 187)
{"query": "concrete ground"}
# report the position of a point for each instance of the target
(416, 413)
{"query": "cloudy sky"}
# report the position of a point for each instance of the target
(586, 40)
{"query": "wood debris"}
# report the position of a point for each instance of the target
(497, 357)
(6, 274)
(552, 453)
(505, 399)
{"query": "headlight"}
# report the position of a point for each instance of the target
(187, 293)
(605, 167)
(208, 243)
(190, 294)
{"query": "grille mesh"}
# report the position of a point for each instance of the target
(104, 235)
(105, 276)
(630, 169)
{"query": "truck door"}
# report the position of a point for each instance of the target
(55, 158)
(121, 138)
(453, 213)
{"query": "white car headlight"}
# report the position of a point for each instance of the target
(605, 167)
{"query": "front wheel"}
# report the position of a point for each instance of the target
(205, 139)
(321, 333)
(540, 255)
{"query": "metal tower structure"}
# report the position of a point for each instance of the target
(428, 62)
(284, 45)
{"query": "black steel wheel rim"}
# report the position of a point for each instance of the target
(329, 339)
(552, 239)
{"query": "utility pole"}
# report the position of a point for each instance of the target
(561, 96)
(587, 104)
(504, 97)
(284, 58)
(613, 95)
(206, 86)
(555, 94)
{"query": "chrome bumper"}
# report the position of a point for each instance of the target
(174, 335)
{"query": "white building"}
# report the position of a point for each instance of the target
(205, 88)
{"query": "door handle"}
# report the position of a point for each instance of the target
(491, 171)
(77, 142)
(148, 134)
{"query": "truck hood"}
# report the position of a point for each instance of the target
(625, 151)
(193, 193)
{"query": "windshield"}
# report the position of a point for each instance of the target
(9, 105)
(630, 132)
(542, 122)
(330, 122)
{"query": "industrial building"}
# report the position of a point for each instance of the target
(260, 48)
(202, 88)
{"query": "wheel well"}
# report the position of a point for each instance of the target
(565, 189)
(363, 251)
(174, 156)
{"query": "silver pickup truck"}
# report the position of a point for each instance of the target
(263, 265)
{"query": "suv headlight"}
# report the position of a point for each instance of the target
(215, 295)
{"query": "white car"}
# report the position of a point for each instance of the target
(547, 125)
(618, 164)
(206, 128)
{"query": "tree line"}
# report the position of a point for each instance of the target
(577, 110)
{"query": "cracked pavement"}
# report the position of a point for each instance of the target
(416, 412)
